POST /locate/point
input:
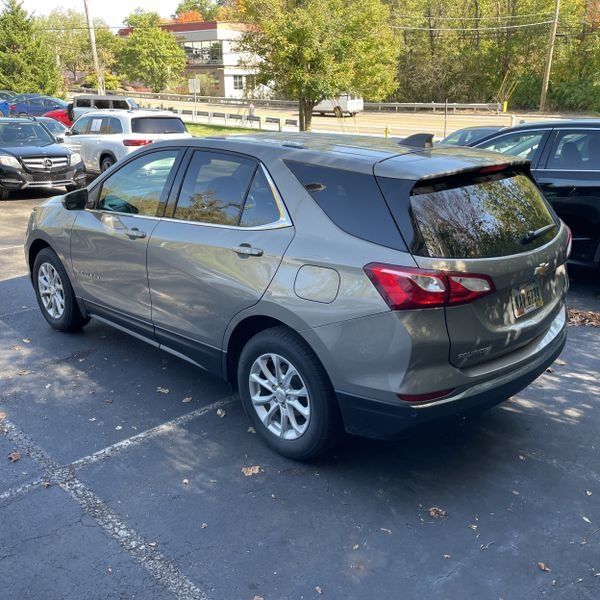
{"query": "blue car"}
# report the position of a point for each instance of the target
(4, 108)
(36, 107)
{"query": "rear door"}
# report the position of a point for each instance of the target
(216, 254)
(497, 225)
(570, 179)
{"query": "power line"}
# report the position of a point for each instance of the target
(482, 18)
(495, 28)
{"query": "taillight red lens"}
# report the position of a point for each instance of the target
(409, 287)
(12, 107)
(569, 242)
(136, 142)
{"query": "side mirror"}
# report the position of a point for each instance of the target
(68, 132)
(60, 139)
(75, 200)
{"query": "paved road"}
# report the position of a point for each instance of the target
(370, 122)
(126, 491)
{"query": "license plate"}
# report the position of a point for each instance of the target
(526, 299)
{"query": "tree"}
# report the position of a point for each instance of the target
(321, 48)
(206, 8)
(190, 16)
(67, 33)
(27, 63)
(151, 54)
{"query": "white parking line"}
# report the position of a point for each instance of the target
(163, 569)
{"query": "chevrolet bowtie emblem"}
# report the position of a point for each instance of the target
(542, 269)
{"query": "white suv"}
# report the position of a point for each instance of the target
(105, 136)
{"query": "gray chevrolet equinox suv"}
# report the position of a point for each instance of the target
(337, 282)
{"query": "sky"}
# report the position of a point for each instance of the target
(112, 11)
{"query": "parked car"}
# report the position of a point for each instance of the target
(61, 115)
(346, 104)
(338, 282)
(56, 128)
(19, 97)
(30, 157)
(104, 137)
(85, 103)
(470, 135)
(4, 108)
(6, 94)
(565, 162)
(36, 107)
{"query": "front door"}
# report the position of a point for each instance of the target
(570, 179)
(217, 253)
(109, 241)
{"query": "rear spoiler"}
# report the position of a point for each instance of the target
(418, 140)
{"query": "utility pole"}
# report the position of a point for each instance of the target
(92, 34)
(549, 56)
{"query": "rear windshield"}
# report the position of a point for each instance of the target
(157, 125)
(499, 217)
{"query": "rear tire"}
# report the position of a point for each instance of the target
(106, 163)
(310, 424)
(4, 193)
(54, 293)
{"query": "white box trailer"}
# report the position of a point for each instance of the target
(345, 104)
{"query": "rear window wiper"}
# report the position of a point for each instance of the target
(534, 234)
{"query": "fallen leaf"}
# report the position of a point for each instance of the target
(251, 429)
(560, 361)
(187, 399)
(204, 525)
(586, 520)
(318, 590)
(273, 497)
(24, 372)
(550, 370)
(543, 567)
(253, 470)
(355, 547)
(15, 348)
(221, 413)
(26, 341)
(521, 457)
(14, 456)
(473, 527)
(447, 556)
(2, 416)
(385, 530)
(109, 570)
(162, 390)
(435, 512)
(588, 493)
(107, 400)
(185, 481)
(118, 428)
(152, 544)
(516, 493)
(584, 317)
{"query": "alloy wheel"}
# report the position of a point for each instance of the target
(279, 396)
(51, 290)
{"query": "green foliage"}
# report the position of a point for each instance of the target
(112, 82)
(151, 54)
(27, 62)
(207, 8)
(321, 48)
(143, 18)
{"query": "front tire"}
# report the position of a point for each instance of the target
(54, 293)
(287, 395)
(4, 193)
(337, 111)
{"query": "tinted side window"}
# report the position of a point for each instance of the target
(524, 145)
(260, 207)
(578, 150)
(82, 102)
(157, 125)
(102, 104)
(80, 126)
(137, 187)
(115, 126)
(122, 104)
(353, 201)
(214, 188)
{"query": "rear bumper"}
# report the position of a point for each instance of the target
(385, 420)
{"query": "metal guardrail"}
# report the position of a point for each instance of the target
(495, 107)
(236, 120)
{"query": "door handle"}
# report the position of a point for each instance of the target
(247, 250)
(135, 233)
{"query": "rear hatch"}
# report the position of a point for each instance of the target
(486, 218)
(158, 128)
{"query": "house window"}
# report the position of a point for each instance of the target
(203, 53)
(238, 82)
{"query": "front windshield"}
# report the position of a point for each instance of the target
(13, 135)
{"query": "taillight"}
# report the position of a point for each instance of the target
(418, 398)
(136, 142)
(408, 287)
(12, 107)
(569, 242)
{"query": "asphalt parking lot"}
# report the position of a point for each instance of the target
(128, 480)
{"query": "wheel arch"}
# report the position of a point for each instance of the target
(34, 249)
(105, 154)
